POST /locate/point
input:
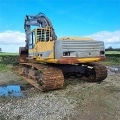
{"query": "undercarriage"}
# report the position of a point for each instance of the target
(51, 76)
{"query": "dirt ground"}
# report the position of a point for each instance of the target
(78, 100)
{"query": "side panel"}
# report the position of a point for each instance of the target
(45, 49)
(42, 50)
(78, 48)
(58, 49)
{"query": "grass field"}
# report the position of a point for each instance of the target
(111, 62)
(4, 53)
(112, 58)
(4, 67)
(112, 52)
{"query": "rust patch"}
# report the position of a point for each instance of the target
(68, 60)
(75, 60)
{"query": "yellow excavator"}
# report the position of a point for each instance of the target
(46, 60)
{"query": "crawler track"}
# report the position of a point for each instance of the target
(100, 72)
(41, 76)
(48, 77)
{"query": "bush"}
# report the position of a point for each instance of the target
(9, 59)
(113, 55)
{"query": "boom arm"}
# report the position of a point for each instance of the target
(38, 20)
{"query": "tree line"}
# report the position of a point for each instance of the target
(112, 49)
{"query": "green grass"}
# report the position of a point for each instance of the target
(4, 67)
(112, 52)
(112, 58)
(112, 61)
(4, 53)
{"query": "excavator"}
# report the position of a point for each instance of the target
(46, 60)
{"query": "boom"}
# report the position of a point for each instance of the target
(38, 20)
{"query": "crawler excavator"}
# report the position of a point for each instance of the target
(46, 59)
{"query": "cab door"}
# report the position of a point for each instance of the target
(32, 47)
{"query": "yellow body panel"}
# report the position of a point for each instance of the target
(46, 46)
(87, 60)
(79, 60)
(42, 47)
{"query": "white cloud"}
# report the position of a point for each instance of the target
(109, 38)
(17, 38)
(12, 37)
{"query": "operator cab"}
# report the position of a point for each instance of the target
(39, 35)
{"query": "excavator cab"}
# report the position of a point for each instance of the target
(39, 35)
(40, 42)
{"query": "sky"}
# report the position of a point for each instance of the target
(98, 19)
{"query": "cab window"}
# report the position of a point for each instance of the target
(32, 40)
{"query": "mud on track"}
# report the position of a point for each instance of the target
(78, 100)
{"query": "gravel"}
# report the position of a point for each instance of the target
(78, 100)
(43, 107)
